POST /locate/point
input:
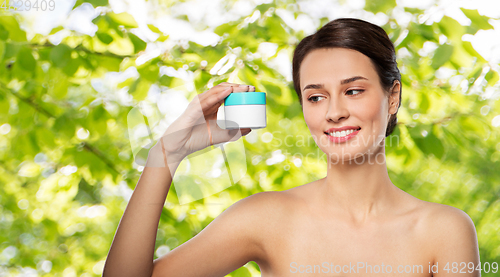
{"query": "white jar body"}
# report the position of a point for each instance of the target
(245, 116)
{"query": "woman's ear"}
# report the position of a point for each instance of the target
(394, 97)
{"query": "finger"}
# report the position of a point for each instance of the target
(211, 100)
(223, 86)
(205, 105)
(244, 88)
(221, 93)
(235, 134)
(214, 101)
(245, 131)
(211, 113)
(225, 135)
(227, 84)
(224, 94)
(218, 89)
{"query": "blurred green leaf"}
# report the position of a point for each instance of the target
(140, 88)
(467, 45)
(451, 28)
(11, 50)
(4, 104)
(2, 50)
(72, 66)
(98, 120)
(63, 125)
(226, 28)
(10, 25)
(4, 34)
(87, 194)
(241, 272)
(430, 144)
(95, 3)
(376, 6)
(442, 55)
(478, 21)
(56, 29)
(293, 110)
(109, 63)
(153, 28)
(424, 103)
(149, 71)
(104, 37)
(264, 7)
(46, 138)
(60, 55)
(124, 19)
(26, 59)
(139, 44)
(472, 127)
(277, 33)
(492, 77)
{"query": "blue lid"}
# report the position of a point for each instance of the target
(245, 98)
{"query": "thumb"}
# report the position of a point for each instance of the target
(235, 134)
(245, 131)
(227, 135)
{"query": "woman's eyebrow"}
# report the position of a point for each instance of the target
(342, 82)
(313, 86)
(352, 79)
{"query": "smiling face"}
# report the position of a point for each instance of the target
(340, 87)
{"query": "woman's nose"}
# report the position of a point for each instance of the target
(337, 111)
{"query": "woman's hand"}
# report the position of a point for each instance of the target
(189, 133)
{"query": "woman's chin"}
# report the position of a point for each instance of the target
(343, 155)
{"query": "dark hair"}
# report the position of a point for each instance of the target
(362, 36)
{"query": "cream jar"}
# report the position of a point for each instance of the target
(245, 110)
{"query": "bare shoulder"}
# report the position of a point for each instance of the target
(267, 212)
(444, 233)
(440, 215)
(266, 203)
(444, 224)
(258, 211)
(450, 233)
(264, 199)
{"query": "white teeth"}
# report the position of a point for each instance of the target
(342, 133)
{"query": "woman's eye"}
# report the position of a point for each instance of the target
(309, 99)
(358, 90)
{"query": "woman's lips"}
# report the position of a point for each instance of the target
(344, 138)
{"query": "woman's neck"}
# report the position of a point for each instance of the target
(359, 190)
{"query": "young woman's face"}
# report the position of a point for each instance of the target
(340, 87)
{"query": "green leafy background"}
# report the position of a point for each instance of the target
(66, 165)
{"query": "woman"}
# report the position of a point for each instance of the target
(353, 221)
